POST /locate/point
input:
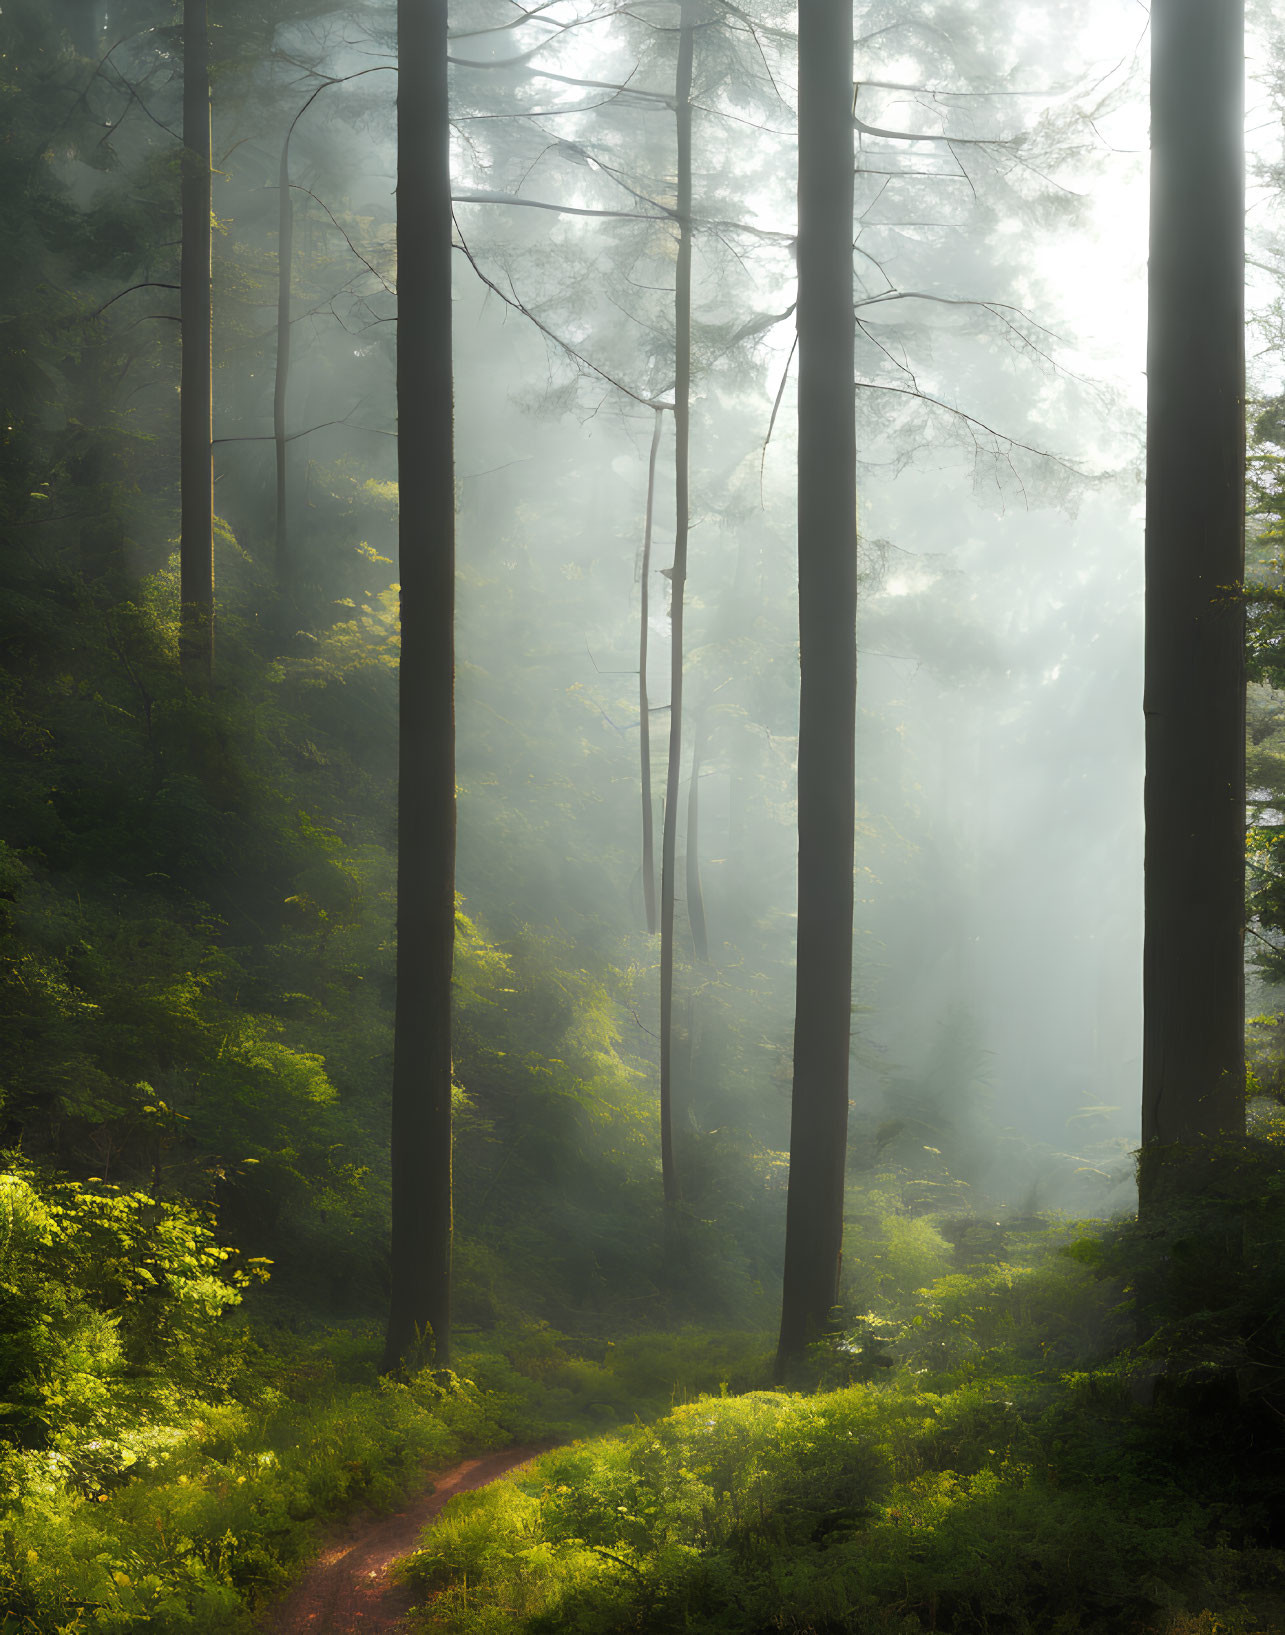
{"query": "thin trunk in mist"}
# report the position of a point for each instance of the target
(677, 582)
(828, 676)
(419, 1315)
(285, 252)
(644, 705)
(695, 898)
(196, 401)
(1194, 704)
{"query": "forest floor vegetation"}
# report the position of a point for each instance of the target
(349, 1586)
(167, 1466)
(1003, 1455)
(987, 1442)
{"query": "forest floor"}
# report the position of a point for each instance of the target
(349, 1587)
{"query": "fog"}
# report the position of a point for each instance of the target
(1001, 311)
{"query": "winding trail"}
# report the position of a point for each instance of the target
(347, 1590)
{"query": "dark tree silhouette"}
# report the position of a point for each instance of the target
(695, 895)
(419, 1316)
(196, 470)
(644, 702)
(827, 655)
(677, 590)
(281, 385)
(1193, 970)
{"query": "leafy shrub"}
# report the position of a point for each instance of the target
(106, 1297)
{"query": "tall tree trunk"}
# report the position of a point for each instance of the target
(196, 403)
(695, 897)
(1193, 961)
(281, 388)
(419, 1316)
(677, 584)
(827, 656)
(644, 703)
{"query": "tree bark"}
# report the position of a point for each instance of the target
(281, 387)
(827, 658)
(677, 584)
(1194, 703)
(695, 897)
(644, 703)
(196, 385)
(419, 1316)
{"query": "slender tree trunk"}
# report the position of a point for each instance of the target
(285, 253)
(644, 705)
(1193, 962)
(419, 1317)
(196, 403)
(677, 585)
(695, 897)
(827, 700)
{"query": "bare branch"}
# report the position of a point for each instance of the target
(533, 113)
(503, 28)
(624, 89)
(971, 420)
(524, 56)
(267, 437)
(149, 285)
(341, 79)
(370, 267)
(934, 136)
(487, 196)
(776, 409)
(565, 346)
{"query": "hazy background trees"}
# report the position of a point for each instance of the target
(998, 850)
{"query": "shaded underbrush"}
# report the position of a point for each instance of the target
(987, 1442)
(1004, 1457)
(164, 1467)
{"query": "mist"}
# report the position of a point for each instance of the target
(1000, 740)
(1001, 262)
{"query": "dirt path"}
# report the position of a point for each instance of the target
(347, 1589)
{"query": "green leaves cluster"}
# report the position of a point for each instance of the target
(112, 1331)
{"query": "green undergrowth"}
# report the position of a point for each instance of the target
(993, 1455)
(225, 1505)
(164, 1466)
(989, 1441)
(856, 1510)
(202, 1511)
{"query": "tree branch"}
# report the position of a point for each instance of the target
(488, 196)
(268, 437)
(565, 346)
(972, 420)
(369, 266)
(150, 284)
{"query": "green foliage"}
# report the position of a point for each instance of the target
(1265, 750)
(192, 1503)
(184, 1498)
(997, 1471)
(847, 1511)
(110, 1302)
(555, 1385)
